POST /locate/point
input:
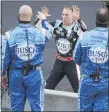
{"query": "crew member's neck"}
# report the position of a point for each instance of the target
(24, 22)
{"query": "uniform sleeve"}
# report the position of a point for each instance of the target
(6, 57)
(45, 27)
(3, 46)
(82, 25)
(77, 52)
(47, 30)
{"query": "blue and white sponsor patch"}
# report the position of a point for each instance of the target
(98, 54)
(23, 50)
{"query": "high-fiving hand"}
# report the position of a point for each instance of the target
(76, 12)
(45, 11)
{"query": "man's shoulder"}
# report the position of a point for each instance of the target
(18, 29)
(87, 33)
(84, 37)
(57, 23)
(8, 34)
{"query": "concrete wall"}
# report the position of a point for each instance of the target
(54, 101)
(60, 101)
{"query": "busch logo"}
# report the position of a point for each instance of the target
(98, 54)
(63, 46)
(23, 51)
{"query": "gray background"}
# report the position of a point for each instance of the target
(9, 14)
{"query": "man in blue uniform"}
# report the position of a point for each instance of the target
(24, 55)
(91, 54)
(2, 49)
(66, 33)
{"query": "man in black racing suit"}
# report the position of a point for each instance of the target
(66, 33)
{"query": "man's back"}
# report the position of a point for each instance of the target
(91, 54)
(25, 40)
(94, 51)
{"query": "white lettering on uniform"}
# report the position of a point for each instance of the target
(23, 51)
(98, 54)
(63, 46)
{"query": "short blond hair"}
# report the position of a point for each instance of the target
(68, 7)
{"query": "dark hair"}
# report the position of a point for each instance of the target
(102, 17)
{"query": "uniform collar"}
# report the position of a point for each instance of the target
(24, 24)
(68, 27)
(101, 29)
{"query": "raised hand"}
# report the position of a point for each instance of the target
(76, 12)
(43, 14)
(45, 11)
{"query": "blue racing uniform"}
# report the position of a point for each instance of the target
(2, 49)
(25, 45)
(91, 54)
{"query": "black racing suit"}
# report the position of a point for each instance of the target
(64, 63)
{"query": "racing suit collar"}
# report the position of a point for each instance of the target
(68, 27)
(24, 24)
(101, 28)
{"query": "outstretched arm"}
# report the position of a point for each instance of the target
(42, 23)
(6, 56)
(81, 25)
